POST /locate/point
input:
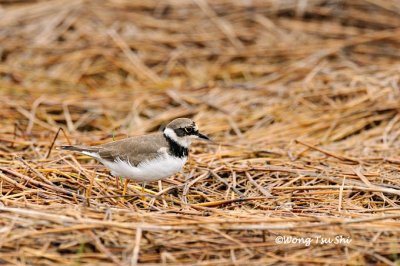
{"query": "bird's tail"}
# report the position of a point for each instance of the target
(74, 148)
(90, 151)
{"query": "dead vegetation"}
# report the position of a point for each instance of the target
(302, 97)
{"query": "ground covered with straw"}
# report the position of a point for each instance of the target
(301, 99)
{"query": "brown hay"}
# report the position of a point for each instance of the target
(300, 97)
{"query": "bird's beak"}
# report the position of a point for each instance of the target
(202, 136)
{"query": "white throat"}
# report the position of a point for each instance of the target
(183, 141)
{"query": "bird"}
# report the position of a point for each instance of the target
(146, 158)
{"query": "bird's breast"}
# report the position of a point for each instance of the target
(147, 171)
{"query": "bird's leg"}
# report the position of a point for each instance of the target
(143, 190)
(125, 186)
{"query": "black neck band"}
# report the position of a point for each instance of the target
(176, 149)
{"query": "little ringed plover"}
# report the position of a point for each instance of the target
(149, 157)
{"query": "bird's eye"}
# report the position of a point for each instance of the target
(188, 129)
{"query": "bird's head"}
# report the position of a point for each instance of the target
(183, 131)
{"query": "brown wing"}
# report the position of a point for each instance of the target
(135, 149)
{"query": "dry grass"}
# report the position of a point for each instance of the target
(301, 97)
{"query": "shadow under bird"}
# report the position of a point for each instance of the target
(149, 157)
